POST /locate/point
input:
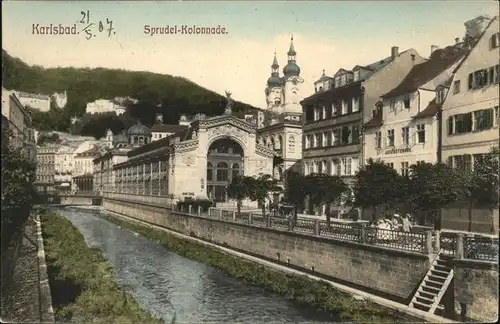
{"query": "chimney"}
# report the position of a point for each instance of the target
(457, 40)
(394, 52)
(433, 48)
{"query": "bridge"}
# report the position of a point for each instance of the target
(79, 199)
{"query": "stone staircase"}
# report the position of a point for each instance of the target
(433, 287)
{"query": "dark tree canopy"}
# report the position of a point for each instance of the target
(157, 93)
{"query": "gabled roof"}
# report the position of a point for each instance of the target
(431, 110)
(422, 73)
(341, 71)
(477, 41)
(376, 121)
(360, 67)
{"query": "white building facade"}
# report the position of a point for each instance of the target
(404, 129)
(20, 124)
(104, 105)
(470, 112)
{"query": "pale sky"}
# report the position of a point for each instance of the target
(327, 35)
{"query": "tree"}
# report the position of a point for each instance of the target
(325, 189)
(296, 189)
(485, 177)
(260, 187)
(18, 193)
(433, 186)
(376, 184)
(484, 182)
(239, 190)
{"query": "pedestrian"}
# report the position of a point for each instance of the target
(406, 223)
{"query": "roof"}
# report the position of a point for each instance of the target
(440, 60)
(478, 39)
(163, 128)
(94, 150)
(159, 143)
(376, 121)
(431, 110)
(139, 129)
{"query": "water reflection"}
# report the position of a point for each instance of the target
(165, 283)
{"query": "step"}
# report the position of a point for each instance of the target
(433, 277)
(430, 288)
(442, 262)
(416, 303)
(439, 284)
(427, 294)
(425, 300)
(442, 268)
(441, 272)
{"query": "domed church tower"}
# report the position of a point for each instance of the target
(292, 83)
(274, 90)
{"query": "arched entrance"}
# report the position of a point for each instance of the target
(224, 162)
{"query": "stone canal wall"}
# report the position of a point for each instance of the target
(385, 271)
(476, 289)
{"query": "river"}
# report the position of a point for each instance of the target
(168, 285)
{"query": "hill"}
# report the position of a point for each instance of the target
(157, 93)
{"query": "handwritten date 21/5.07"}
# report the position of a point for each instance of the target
(92, 28)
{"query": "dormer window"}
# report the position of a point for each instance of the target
(320, 89)
(495, 40)
(356, 75)
(343, 79)
(277, 102)
(406, 101)
(440, 95)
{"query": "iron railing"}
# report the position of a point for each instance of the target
(480, 248)
(449, 244)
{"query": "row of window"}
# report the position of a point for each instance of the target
(396, 105)
(45, 178)
(46, 158)
(474, 121)
(464, 162)
(346, 166)
(480, 78)
(345, 135)
(406, 139)
(159, 135)
(222, 171)
(273, 144)
(336, 109)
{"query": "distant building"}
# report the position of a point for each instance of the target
(35, 101)
(60, 99)
(104, 105)
(20, 124)
(470, 112)
(45, 168)
(83, 171)
(160, 130)
(404, 129)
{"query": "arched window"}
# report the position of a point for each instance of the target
(136, 140)
(235, 170)
(222, 171)
(277, 102)
(264, 142)
(291, 144)
(280, 142)
(272, 145)
(210, 172)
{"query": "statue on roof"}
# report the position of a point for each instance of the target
(229, 104)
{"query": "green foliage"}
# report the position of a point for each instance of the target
(296, 189)
(157, 93)
(377, 184)
(433, 186)
(81, 281)
(18, 192)
(299, 288)
(485, 180)
(324, 189)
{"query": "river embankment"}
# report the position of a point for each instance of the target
(81, 280)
